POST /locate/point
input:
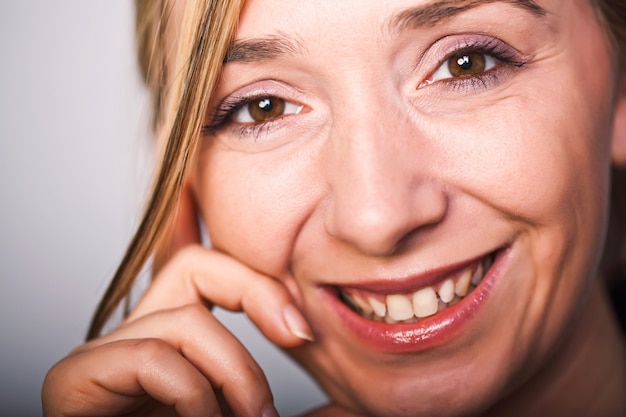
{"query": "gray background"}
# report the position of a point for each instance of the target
(74, 161)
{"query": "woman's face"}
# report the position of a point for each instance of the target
(428, 178)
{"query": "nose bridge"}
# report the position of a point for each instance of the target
(369, 160)
(380, 189)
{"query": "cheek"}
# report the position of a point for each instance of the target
(254, 206)
(542, 156)
(535, 170)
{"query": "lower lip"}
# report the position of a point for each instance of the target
(428, 333)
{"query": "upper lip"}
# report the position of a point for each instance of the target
(413, 282)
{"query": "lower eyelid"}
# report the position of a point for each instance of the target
(477, 83)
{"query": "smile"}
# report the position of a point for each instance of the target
(416, 313)
(411, 307)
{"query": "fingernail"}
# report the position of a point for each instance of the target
(269, 411)
(296, 323)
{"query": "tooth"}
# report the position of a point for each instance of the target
(462, 285)
(379, 307)
(478, 275)
(365, 307)
(399, 307)
(446, 292)
(425, 302)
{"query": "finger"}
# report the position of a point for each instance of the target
(195, 333)
(184, 231)
(110, 380)
(198, 275)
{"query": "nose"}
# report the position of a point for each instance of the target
(381, 186)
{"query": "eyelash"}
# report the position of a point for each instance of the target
(224, 111)
(503, 54)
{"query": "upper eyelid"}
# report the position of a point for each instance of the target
(266, 87)
(274, 88)
(230, 103)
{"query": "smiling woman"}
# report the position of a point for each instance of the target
(420, 202)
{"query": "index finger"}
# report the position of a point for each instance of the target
(200, 275)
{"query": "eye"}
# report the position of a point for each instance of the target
(464, 64)
(263, 109)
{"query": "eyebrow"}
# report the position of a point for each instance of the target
(261, 49)
(432, 14)
(276, 46)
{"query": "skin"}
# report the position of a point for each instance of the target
(377, 173)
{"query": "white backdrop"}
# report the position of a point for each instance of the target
(73, 141)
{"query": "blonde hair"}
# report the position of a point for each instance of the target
(208, 28)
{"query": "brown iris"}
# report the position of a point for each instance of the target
(266, 108)
(467, 64)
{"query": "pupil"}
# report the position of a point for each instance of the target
(464, 62)
(266, 105)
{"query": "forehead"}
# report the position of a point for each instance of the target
(270, 29)
(266, 15)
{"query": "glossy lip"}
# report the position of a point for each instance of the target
(429, 332)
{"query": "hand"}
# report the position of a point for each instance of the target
(171, 356)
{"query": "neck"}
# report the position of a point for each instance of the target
(586, 377)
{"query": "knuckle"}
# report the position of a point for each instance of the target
(254, 372)
(150, 350)
(262, 291)
(198, 389)
(192, 314)
(182, 262)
